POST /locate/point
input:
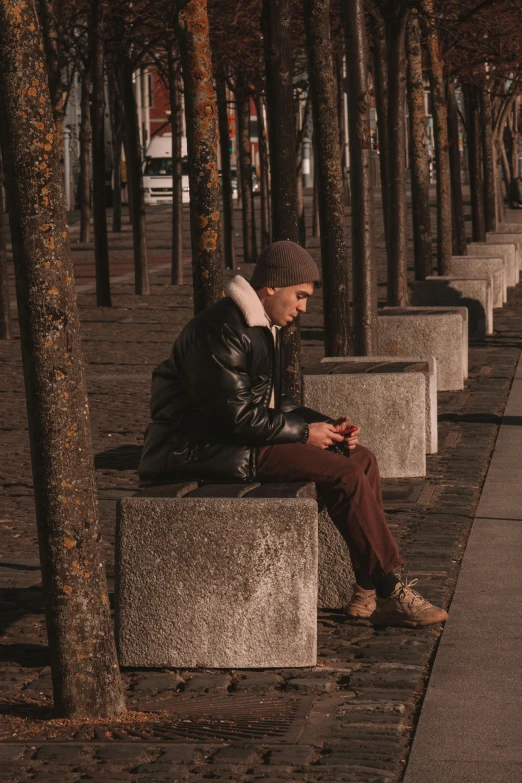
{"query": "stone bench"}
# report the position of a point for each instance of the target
(422, 332)
(474, 266)
(387, 402)
(476, 294)
(376, 364)
(505, 236)
(218, 576)
(507, 250)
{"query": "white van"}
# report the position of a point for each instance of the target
(157, 170)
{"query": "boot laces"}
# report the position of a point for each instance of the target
(409, 595)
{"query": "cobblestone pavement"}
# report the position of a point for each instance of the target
(363, 697)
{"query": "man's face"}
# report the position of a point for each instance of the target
(282, 305)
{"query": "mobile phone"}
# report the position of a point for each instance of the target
(349, 429)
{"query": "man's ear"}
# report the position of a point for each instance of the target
(270, 291)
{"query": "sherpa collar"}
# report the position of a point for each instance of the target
(244, 296)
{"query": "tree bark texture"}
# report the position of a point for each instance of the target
(245, 165)
(380, 82)
(301, 217)
(277, 34)
(398, 236)
(85, 157)
(459, 244)
(51, 43)
(364, 274)
(176, 119)
(488, 159)
(6, 331)
(342, 130)
(99, 212)
(84, 666)
(134, 178)
(476, 181)
(331, 208)
(201, 116)
(316, 228)
(514, 144)
(419, 164)
(116, 120)
(226, 175)
(440, 131)
(264, 184)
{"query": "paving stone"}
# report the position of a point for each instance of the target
(311, 685)
(159, 682)
(182, 754)
(292, 755)
(11, 752)
(63, 752)
(235, 754)
(123, 750)
(258, 683)
(208, 683)
(163, 771)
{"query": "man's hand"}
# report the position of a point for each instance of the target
(351, 440)
(323, 435)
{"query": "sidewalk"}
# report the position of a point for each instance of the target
(469, 729)
(363, 697)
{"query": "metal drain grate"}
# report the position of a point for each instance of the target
(202, 719)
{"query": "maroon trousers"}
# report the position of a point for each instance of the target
(350, 486)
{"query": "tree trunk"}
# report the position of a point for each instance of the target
(476, 182)
(84, 666)
(488, 159)
(514, 143)
(419, 163)
(331, 209)
(459, 244)
(398, 237)
(226, 174)
(6, 331)
(316, 228)
(176, 119)
(342, 129)
(264, 186)
(301, 217)
(440, 130)
(134, 178)
(99, 212)
(277, 35)
(363, 252)
(51, 47)
(380, 82)
(201, 115)
(85, 157)
(116, 119)
(245, 166)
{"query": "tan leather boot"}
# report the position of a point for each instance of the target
(405, 607)
(362, 603)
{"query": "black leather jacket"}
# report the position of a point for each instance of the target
(209, 402)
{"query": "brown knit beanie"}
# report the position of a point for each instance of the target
(282, 264)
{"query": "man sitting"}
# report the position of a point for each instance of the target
(218, 415)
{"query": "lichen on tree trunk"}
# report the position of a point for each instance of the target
(201, 116)
(364, 272)
(420, 184)
(277, 35)
(440, 130)
(86, 681)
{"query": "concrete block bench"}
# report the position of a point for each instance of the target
(375, 364)
(476, 294)
(388, 405)
(474, 266)
(505, 236)
(441, 332)
(507, 250)
(218, 576)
